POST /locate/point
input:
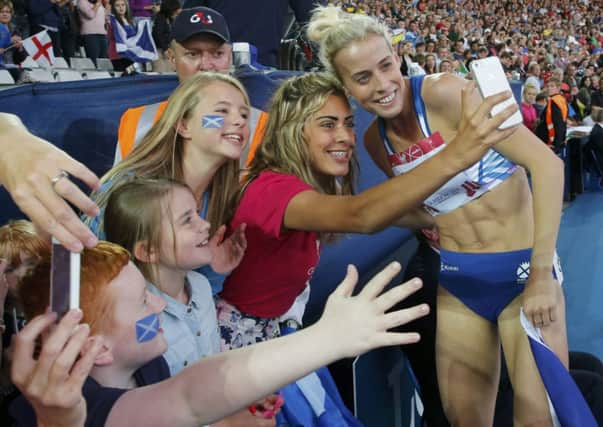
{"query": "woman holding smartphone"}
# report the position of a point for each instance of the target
(497, 240)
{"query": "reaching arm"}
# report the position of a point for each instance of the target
(378, 207)
(223, 383)
(27, 166)
(415, 219)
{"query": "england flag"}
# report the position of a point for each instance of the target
(39, 47)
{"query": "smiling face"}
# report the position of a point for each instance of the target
(330, 137)
(370, 72)
(185, 235)
(219, 124)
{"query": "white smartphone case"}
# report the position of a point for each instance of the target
(490, 78)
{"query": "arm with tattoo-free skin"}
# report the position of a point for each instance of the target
(53, 381)
(380, 206)
(27, 166)
(225, 382)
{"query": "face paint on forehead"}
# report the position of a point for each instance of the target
(210, 121)
(147, 328)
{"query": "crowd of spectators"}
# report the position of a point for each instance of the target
(552, 48)
(534, 40)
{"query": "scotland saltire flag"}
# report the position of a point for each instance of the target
(211, 121)
(147, 327)
(138, 47)
(567, 405)
(314, 401)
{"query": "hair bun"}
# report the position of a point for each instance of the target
(323, 19)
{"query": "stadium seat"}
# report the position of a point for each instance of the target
(68, 75)
(104, 64)
(82, 64)
(97, 75)
(40, 75)
(29, 63)
(60, 62)
(6, 78)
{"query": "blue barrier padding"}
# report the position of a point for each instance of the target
(82, 119)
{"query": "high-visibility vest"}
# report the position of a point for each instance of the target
(136, 122)
(559, 100)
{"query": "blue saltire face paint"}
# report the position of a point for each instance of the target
(212, 121)
(147, 328)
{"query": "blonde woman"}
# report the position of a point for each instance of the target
(202, 154)
(498, 242)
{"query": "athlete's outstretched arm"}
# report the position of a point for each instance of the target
(27, 166)
(380, 206)
(224, 383)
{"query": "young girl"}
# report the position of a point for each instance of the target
(197, 141)
(157, 221)
(497, 243)
(120, 16)
(528, 111)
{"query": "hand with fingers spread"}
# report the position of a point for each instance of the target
(539, 300)
(37, 176)
(477, 130)
(227, 253)
(360, 323)
(53, 383)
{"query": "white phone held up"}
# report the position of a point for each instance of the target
(490, 77)
(64, 279)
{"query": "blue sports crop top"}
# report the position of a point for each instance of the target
(466, 186)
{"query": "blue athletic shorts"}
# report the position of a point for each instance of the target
(486, 282)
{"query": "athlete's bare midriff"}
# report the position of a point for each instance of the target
(501, 220)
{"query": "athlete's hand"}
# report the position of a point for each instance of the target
(227, 253)
(539, 300)
(477, 131)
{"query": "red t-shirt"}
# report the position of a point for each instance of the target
(276, 264)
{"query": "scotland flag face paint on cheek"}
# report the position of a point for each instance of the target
(212, 121)
(147, 328)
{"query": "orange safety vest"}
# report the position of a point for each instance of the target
(135, 123)
(559, 100)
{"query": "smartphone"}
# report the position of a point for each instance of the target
(64, 279)
(490, 77)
